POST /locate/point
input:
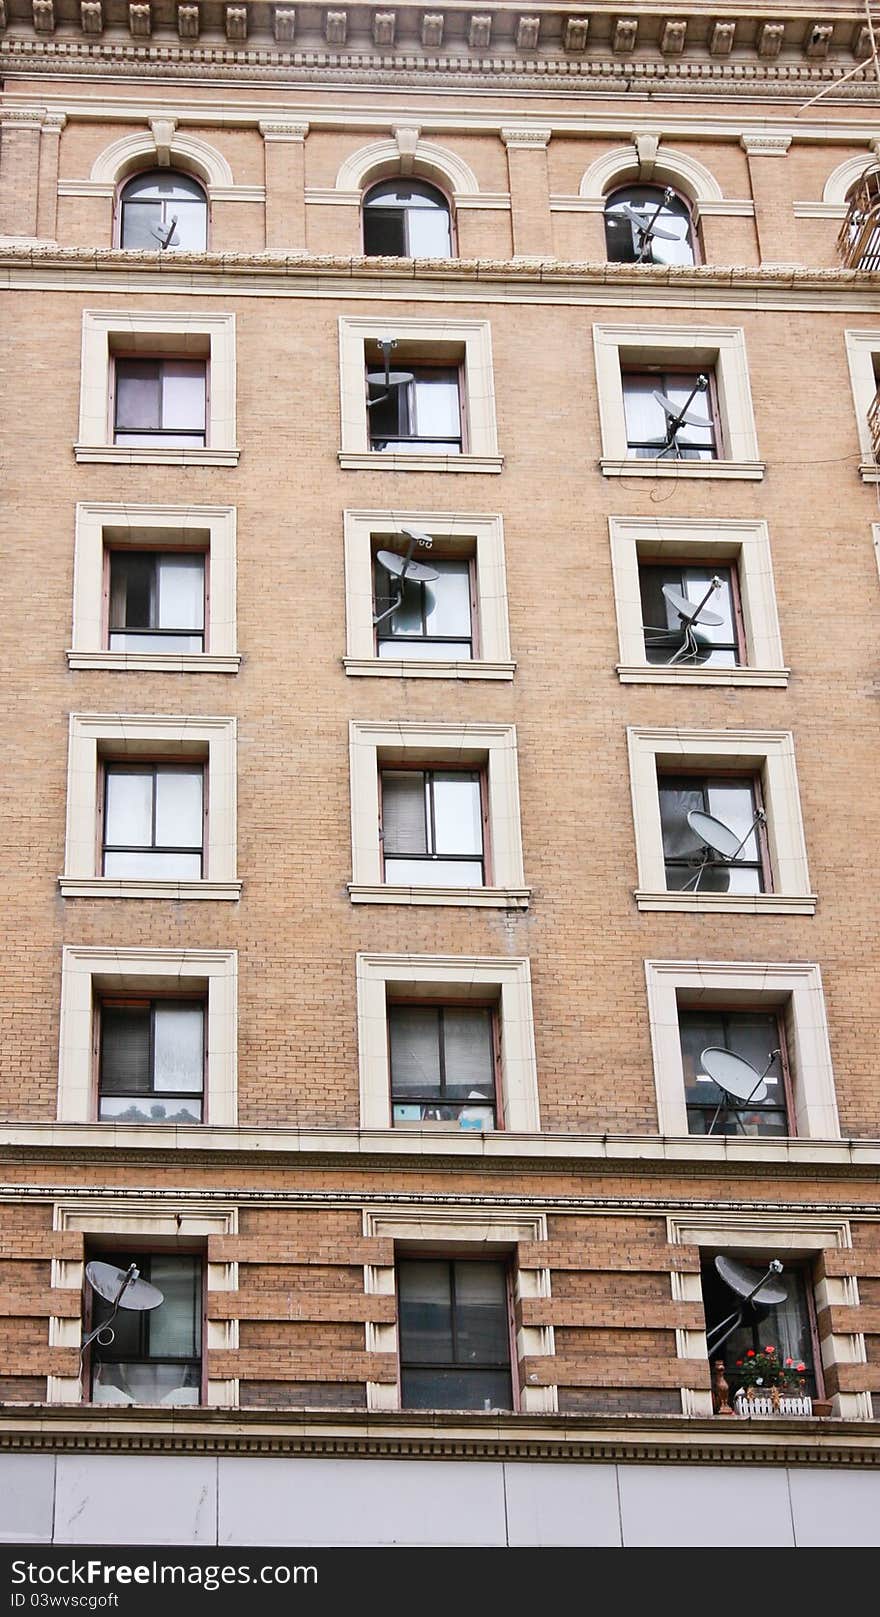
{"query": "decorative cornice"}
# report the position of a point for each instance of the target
(526, 137)
(765, 145)
(282, 130)
(569, 1437)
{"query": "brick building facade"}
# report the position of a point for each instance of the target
(187, 430)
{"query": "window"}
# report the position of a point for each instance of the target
(406, 219)
(454, 1321)
(432, 827)
(153, 821)
(863, 354)
(152, 1060)
(137, 790)
(636, 361)
(443, 1065)
(657, 559)
(752, 1034)
(718, 645)
(421, 415)
(162, 209)
(429, 803)
(787, 992)
(499, 990)
(148, 1031)
(434, 619)
(632, 240)
(156, 1355)
(676, 772)
(160, 400)
(651, 431)
(144, 393)
(691, 864)
(157, 601)
(154, 588)
(789, 1327)
(443, 420)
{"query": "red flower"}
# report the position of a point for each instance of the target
(769, 1350)
(789, 1361)
(801, 1367)
(750, 1354)
(738, 1363)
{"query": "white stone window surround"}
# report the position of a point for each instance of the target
(782, 1235)
(113, 1219)
(720, 349)
(432, 976)
(492, 632)
(204, 527)
(439, 339)
(133, 735)
(767, 753)
(863, 352)
(725, 541)
(435, 745)
(148, 334)
(88, 971)
(430, 1230)
(757, 985)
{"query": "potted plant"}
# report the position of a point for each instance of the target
(763, 1378)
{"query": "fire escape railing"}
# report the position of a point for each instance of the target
(859, 239)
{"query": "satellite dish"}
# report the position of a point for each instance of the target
(398, 565)
(393, 379)
(715, 833)
(676, 413)
(733, 1074)
(690, 611)
(643, 223)
(166, 235)
(115, 1286)
(749, 1283)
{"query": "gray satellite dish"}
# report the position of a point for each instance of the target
(691, 611)
(399, 566)
(750, 1283)
(393, 379)
(115, 1286)
(715, 833)
(733, 1074)
(643, 223)
(681, 417)
(165, 234)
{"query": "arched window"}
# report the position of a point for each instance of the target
(164, 209)
(645, 224)
(407, 219)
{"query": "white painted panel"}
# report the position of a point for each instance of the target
(562, 1505)
(835, 1508)
(418, 1502)
(705, 1505)
(27, 1486)
(136, 1499)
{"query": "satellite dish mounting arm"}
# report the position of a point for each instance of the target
(386, 344)
(646, 231)
(674, 423)
(165, 240)
(132, 1274)
(724, 1105)
(760, 818)
(727, 1326)
(414, 539)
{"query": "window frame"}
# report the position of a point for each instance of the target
(157, 549)
(107, 764)
(755, 985)
(767, 753)
(694, 239)
(141, 738)
(471, 980)
(368, 531)
(429, 185)
(742, 545)
(677, 347)
(428, 770)
(731, 566)
(805, 1268)
(102, 528)
(863, 359)
(119, 205)
(441, 341)
(108, 1000)
(436, 554)
(489, 747)
(90, 974)
(138, 1249)
(502, 1261)
(663, 374)
(145, 335)
(787, 1090)
(720, 776)
(159, 433)
(450, 1002)
(420, 371)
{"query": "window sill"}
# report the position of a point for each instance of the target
(150, 455)
(157, 662)
(373, 461)
(427, 668)
(744, 470)
(732, 903)
(110, 887)
(491, 898)
(869, 471)
(656, 674)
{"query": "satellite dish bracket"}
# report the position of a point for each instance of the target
(414, 539)
(165, 240)
(646, 231)
(713, 1340)
(673, 423)
(132, 1274)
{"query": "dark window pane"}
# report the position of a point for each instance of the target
(749, 1034)
(384, 233)
(456, 1389)
(138, 395)
(482, 1328)
(468, 1054)
(125, 1049)
(132, 590)
(414, 1037)
(625, 239)
(425, 1312)
(785, 1326)
(404, 823)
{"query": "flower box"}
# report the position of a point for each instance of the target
(764, 1404)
